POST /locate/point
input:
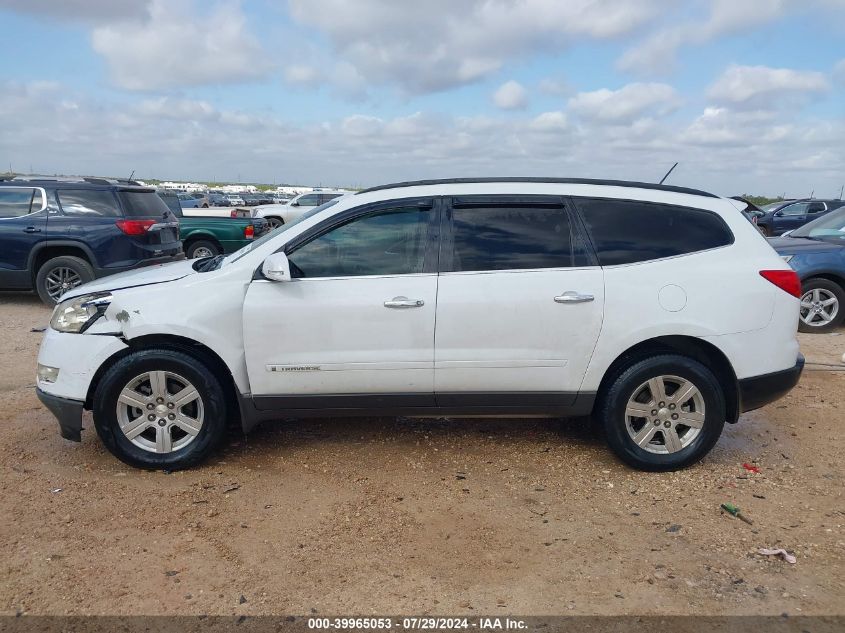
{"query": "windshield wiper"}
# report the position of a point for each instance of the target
(211, 264)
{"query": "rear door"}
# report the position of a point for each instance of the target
(23, 224)
(519, 303)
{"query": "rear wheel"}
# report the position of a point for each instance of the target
(202, 248)
(663, 413)
(822, 304)
(160, 408)
(60, 274)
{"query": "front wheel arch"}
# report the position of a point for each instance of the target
(187, 346)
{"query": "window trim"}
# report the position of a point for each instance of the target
(32, 196)
(576, 235)
(430, 256)
(118, 207)
(592, 246)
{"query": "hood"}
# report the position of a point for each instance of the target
(146, 276)
(786, 245)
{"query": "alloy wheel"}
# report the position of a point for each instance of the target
(60, 280)
(202, 251)
(665, 414)
(819, 307)
(160, 412)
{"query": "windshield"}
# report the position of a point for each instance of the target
(275, 232)
(831, 225)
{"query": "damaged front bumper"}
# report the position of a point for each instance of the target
(68, 412)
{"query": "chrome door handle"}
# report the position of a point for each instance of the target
(571, 296)
(32, 229)
(404, 302)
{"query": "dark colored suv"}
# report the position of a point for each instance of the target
(58, 233)
(794, 213)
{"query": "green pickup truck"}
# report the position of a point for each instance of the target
(209, 236)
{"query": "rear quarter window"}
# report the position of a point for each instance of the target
(88, 202)
(17, 202)
(627, 231)
(142, 204)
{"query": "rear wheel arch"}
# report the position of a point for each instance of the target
(695, 348)
(47, 250)
(187, 346)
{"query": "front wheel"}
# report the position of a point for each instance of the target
(821, 306)
(160, 408)
(274, 222)
(662, 413)
(60, 274)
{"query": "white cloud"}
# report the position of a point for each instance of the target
(764, 86)
(555, 86)
(511, 95)
(625, 105)
(435, 45)
(86, 10)
(723, 150)
(656, 54)
(176, 47)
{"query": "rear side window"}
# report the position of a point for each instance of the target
(89, 203)
(15, 203)
(626, 231)
(510, 237)
(142, 204)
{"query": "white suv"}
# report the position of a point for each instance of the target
(660, 310)
(285, 213)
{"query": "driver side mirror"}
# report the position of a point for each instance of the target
(276, 267)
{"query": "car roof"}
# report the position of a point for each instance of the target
(74, 182)
(535, 180)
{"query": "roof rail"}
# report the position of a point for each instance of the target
(567, 181)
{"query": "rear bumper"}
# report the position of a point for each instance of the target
(758, 391)
(104, 272)
(68, 412)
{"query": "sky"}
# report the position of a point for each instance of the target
(747, 95)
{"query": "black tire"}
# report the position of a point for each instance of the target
(610, 412)
(765, 230)
(830, 287)
(201, 246)
(210, 391)
(274, 222)
(56, 266)
(204, 205)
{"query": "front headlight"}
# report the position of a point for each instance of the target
(787, 258)
(78, 314)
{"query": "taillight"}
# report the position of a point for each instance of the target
(249, 232)
(786, 280)
(135, 227)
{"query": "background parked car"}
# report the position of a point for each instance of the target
(279, 214)
(790, 215)
(191, 201)
(58, 233)
(234, 200)
(217, 200)
(205, 236)
(816, 251)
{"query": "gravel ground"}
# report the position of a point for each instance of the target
(420, 516)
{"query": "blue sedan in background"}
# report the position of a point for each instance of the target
(816, 251)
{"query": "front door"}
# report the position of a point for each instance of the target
(357, 318)
(519, 304)
(23, 224)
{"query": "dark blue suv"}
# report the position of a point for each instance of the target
(791, 214)
(58, 233)
(817, 253)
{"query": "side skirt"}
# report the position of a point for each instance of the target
(256, 409)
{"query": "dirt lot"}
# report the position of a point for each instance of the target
(420, 516)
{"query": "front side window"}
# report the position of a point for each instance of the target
(627, 231)
(17, 202)
(89, 203)
(510, 237)
(389, 242)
